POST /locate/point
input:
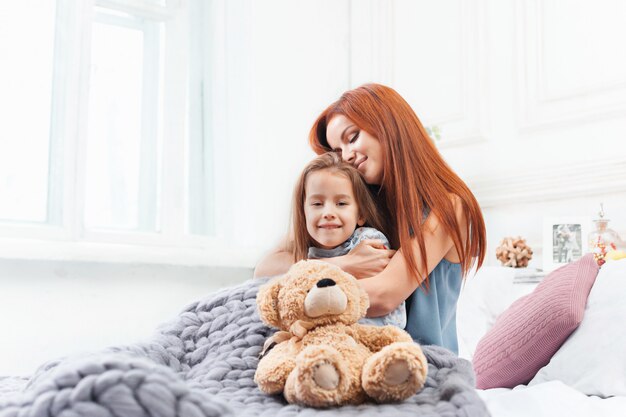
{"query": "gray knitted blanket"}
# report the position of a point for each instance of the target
(202, 364)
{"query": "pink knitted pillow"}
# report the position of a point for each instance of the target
(532, 329)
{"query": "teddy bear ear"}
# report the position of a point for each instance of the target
(267, 301)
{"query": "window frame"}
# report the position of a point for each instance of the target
(64, 234)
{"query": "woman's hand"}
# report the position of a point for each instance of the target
(366, 259)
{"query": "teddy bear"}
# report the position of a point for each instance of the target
(322, 356)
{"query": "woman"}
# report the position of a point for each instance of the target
(432, 218)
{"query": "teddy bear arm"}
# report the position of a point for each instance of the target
(273, 370)
(377, 337)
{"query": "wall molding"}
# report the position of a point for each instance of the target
(470, 127)
(473, 129)
(374, 57)
(551, 184)
(466, 122)
(540, 109)
(372, 45)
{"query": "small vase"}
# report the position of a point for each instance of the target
(603, 239)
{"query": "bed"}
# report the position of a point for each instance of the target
(201, 364)
(586, 376)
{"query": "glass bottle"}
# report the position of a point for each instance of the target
(603, 238)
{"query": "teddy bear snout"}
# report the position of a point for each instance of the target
(326, 297)
(326, 282)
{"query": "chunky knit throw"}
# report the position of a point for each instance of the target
(202, 364)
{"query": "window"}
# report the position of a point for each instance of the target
(123, 130)
(200, 151)
(25, 105)
(107, 136)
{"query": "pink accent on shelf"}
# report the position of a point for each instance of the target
(533, 328)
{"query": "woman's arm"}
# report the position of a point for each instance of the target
(395, 284)
(368, 258)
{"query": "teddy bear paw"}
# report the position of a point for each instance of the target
(395, 373)
(326, 376)
(320, 378)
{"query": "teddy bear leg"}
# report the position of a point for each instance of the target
(273, 370)
(395, 373)
(320, 378)
(290, 388)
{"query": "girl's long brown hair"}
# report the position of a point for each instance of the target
(415, 176)
(367, 207)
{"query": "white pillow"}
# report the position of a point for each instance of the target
(593, 358)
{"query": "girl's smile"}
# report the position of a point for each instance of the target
(330, 226)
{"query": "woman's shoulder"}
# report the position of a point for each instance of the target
(459, 207)
(455, 199)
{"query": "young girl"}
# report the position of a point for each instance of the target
(331, 205)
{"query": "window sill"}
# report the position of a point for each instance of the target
(211, 254)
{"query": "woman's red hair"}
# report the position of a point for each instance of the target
(415, 176)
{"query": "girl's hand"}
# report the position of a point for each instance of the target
(367, 259)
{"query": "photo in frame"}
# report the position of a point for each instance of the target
(564, 240)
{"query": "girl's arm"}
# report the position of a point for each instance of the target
(274, 263)
(277, 262)
(395, 284)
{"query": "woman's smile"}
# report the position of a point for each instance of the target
(356, 147)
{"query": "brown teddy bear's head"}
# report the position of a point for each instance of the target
(313, 291)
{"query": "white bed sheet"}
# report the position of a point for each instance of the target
(549, 399)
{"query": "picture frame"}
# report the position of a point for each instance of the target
(564, 240)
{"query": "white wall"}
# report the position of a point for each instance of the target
(539, 98)
(52, 309)
(530, 97)
(278, 63)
